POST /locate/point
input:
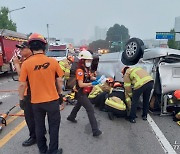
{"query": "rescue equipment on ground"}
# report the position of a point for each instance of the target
(5, 115)
(70, 98)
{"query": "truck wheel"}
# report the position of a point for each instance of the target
(134, 49)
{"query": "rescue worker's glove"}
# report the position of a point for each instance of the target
(95, 82)
(22, 104)
(60, 99)
(98, 77)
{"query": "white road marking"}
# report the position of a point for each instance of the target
(160, 136)
(4, 96)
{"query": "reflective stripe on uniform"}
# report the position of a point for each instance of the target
(62, 65)
(127, 84)
(67, 71)
(95, 92)
(133, 73)
(130, 94)
(141, 81)
(116, 105)
(128, 99)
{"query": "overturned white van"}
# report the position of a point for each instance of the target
(162, 63)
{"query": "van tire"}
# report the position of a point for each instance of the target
(134, 49)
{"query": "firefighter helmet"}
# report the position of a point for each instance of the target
(123, 71)
(117, 84)
(109, 80)
(177, 94)
(37, 37)
(71, 58)
(85, 55)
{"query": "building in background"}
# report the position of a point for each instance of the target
(100, 33)
(177, 28)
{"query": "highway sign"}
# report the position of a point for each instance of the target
(164, 35)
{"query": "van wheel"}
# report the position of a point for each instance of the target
(134, 49)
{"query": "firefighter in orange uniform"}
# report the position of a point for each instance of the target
(42, 72)
(83, 87)
(141, 82)
(27, 107)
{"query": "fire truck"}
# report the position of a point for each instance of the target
(8, 41)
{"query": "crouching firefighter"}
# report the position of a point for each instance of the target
(115, 103)
(83, 88)
(99, 93)
(136, 82)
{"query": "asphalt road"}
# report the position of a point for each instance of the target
(158, 135)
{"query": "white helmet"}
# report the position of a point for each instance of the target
(85, 55)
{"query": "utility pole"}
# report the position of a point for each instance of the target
(15, 10)
(48, 34)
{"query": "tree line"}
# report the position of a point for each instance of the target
(116, 37)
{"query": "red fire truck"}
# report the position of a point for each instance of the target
(8, 41)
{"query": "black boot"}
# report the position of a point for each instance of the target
(71, 119)
(144, 117)
(60, 151)
(97, 133)
(29, 142)
(132, 120)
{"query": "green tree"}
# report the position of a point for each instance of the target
(172, 43)
(5, 23)
(117, 33)
(95, 45)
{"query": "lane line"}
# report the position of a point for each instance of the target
(160, 136)
(13, 132)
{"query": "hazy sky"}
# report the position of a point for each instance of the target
(77, 18)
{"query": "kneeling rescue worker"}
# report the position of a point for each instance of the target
(98, 94)
(83, 83)
(42, 73)
(141, 82)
